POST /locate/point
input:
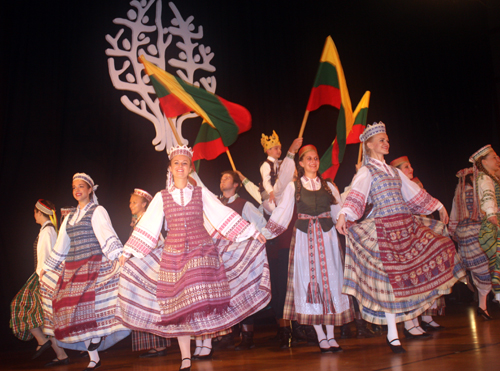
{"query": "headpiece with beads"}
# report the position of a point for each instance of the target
(480, 153)
(180, 150)
(48, 211)
(142, 193)
(306, 149)
(399, 161)
(270, 141)
(87, 179)
(370, 131)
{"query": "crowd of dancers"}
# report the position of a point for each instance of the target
(222, 260)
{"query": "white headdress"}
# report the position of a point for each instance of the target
(176, 151)
(370, 131)
(87, 179)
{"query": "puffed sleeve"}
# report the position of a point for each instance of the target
(417, 199)
(226, 221)
(253, 215)
(486, 191)
(285, 176)
(146, 233)
(335, 209)
(252, 190)
(111, 245)
(355, 202)
(282, 214)
(60, 250)
(46, 240)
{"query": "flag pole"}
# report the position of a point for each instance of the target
(304, 120)
(230, 159)
(174, 130)
(360, 153)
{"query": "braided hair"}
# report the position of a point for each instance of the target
(324, 185)
(480, 167)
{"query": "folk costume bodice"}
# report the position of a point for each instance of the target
(83, 241)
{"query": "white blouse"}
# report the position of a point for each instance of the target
(46, 240)
(487, 197)
(103, 229)
(362, 183)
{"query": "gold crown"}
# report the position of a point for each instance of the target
(270, 141)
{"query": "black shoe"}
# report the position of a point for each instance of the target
(185, 368)
(395, 348)
(93, 346)
(483, 313)
(82, 354)
(225, 342)
(325, 350)
(154, 353)
(246, 341)
(409, 335)
(334, 349)
(428, 327)
(345, 331)
(57, 362)
(206, 356)
(285, 337)
(363, 332)
(42, 349)
(98, 364)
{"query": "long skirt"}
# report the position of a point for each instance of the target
(26, 311)
(106, 325)
(366, 277)
(296, 303)
(247, 272)
(489, 239)
(145, 341)
(473, 256)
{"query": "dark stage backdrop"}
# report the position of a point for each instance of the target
(429, 66)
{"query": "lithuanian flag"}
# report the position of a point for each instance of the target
(331, 160)
(178, 97)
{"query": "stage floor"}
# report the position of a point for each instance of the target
(467, 343)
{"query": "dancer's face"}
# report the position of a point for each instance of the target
(379, 144)
(491, 162)
(137, 205)
(407, 170)
(81, 191)
(310, 162)
(180, 166)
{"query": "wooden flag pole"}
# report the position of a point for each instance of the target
(360, 154)
(174, 130)
(304, 120)
(230, 159)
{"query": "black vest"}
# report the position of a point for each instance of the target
(313, 203)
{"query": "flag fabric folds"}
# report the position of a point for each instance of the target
(223, 121)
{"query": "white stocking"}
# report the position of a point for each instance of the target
(321, 336)
(330, 335)
(392, 329)
(206, 347)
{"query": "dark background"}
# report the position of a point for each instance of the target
(432, 68)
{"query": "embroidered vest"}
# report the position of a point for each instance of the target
(273, 174)
(237, 205)
(185, 223)
(385, 194)
(313, 203)
(83, 242)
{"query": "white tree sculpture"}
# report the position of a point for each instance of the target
(142, 37)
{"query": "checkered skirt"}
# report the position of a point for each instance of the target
(26, 309)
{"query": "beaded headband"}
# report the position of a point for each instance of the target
(87, 179)
(180, 150)
(399, 161)
(44, 208)
(372, 130)
(307, 148)
(142, 193)
(270, 141)
(480, 153)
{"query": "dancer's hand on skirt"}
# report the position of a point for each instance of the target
(443, 215)
(261, 238)
(123, 259)
(341, 225)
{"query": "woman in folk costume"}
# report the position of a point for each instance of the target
(465, 231)
(486, 206)
(156, 345)
(315, 273)
(197, 288)
(80, 278)
(26, 308)
(395, 266)
(412, 328)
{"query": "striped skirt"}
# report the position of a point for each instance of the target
(366, 279)
(145, 341)
(473, 256)
(26, 311)
(247, 272)
(297, 286)
(489, 239)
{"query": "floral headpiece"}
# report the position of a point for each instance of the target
(180, 150)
